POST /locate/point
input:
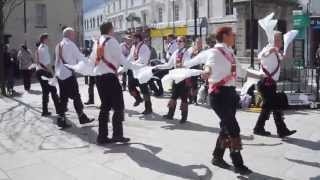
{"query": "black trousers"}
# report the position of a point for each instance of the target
(92, 82)
(69, 88)
(26, 79)
(224, 103)
(46, 90)
(134, 83)
(111, 95)
(124, 80)
(272, 102)
(180, 90)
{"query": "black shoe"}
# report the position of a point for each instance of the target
(62, 123)
(89, 103)
(146, 112)
(286, 134)
(184, 116)
(261, 132)
(243, 170)
(120, 140)
(137, 103)
(46, 114)
(158, 94)
(102, 141)
(182, 121)
(220, 163)
(84, 119)
(167, 117)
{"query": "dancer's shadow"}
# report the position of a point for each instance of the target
(189, 126)
(312, 164)
(35, 92)
(303, 143)
(315, 178)
(258, 176)
(148, 159)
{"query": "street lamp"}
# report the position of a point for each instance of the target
(251, 32)
(195, 5)
(173, 18)
(25, 20)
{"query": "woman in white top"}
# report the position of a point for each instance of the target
(179, 90)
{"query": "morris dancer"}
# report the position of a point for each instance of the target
(194, 51)
(271, 58)
(125, 47)
(139, 54)
(44, 68)
(108, 57)
(68, 53)
(179, 90)
(221, 69)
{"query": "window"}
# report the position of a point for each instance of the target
(160, 14)
(98, 21)
(94, 23)
(229, 7)
(101, 19)
(114, 6)
(253, 36)
(41, 15)
(132, 3)
(120, 22)
(144, 18)
(176, 12)
(120, 7)
(108, 9)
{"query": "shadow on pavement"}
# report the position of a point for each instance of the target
(313, 164)
(258, 176)
(148, 159)
(35, 92)
(263, 144)
(303, 143)
(315, 178)
(85, 133)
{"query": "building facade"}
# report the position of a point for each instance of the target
(44, 16)
(162, 17)
(91, 22)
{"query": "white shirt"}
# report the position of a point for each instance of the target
(71, 55)
(172, 47)
(143, 54)
(269, 62)
(125, 49)
(220, 66)
(113, 54)
(173, 60)
(43, 56)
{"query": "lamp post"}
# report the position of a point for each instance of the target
(251, 32)
(25, 20)
(195, 5)
(173, 17)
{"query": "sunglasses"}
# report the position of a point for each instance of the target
(180, 41)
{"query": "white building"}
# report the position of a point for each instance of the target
(91, 23)
(158, 18)
(44, 16)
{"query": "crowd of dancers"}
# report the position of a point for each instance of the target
(219, 70)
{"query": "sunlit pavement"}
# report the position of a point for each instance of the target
(33, 148)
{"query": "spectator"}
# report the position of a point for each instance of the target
(25, 61)
(9, 65)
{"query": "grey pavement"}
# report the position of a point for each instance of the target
(33, 148)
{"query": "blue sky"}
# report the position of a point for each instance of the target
(89, 4)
